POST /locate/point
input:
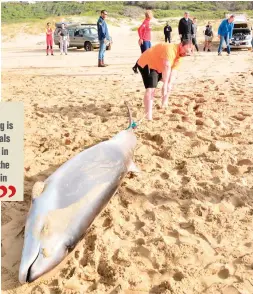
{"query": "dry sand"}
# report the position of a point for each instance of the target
(184, 225)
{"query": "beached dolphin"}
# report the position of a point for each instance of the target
(64, 206)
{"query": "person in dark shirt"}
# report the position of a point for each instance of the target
(64, 39)
(167, 30)
(208, 37)
(185, 28)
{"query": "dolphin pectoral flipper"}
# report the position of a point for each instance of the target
(133, 168)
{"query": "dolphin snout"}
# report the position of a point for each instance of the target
(45, 262)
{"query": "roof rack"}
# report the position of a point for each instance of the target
(88, 24)
(58, 24)
(74, 24)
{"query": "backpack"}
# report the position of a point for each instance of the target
(208, 31)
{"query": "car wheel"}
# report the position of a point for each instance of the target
(109, 47)
(88, 46)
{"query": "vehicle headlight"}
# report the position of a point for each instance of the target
(248, 37)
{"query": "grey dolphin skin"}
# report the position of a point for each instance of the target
(65, 205)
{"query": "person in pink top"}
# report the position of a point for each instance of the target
(144, 32)
(49, 38)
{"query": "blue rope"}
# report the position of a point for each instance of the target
(133, 126)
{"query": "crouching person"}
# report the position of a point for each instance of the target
(160, 63)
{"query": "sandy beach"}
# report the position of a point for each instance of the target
(184, 224)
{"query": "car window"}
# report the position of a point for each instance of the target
(71, 33)
(93, 31)
(85, 32)
(78, 33)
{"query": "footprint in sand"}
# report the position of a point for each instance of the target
(178, 111)
(223, 273)
(245, 162)
(155, 138)
(237, 202)
(186, 119)
(199, 122)
(121, 257)
(239, 117)
(199, 95)
(196, 107)
(164, 176)
(199, 113)
(178, 276)
(41, 290)
(220, 100)
(200, 100)
(177, 104)
(139, 225)
(237, 170)
(190, 134)
(244, 113)
(147, 254)
(150, 215)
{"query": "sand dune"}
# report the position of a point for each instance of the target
(184, 225)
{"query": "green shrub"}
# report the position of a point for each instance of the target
(15, 11)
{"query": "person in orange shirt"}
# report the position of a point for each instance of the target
(49, 38)
(160, 63)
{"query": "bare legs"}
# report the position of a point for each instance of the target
(165, 95)
(165, 98)
(150, 92)
(208, 45)
(205, 45)
(148, 102)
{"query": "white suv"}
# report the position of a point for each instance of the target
(241, 37)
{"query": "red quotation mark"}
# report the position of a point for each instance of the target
(4, 191)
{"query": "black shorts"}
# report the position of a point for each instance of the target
(150, 76)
